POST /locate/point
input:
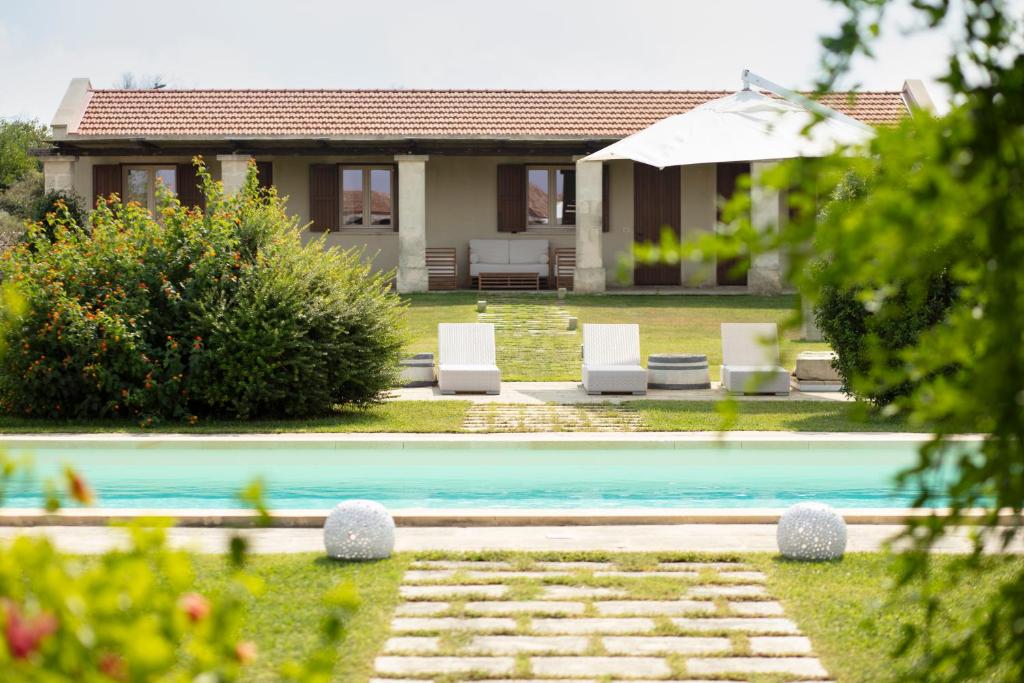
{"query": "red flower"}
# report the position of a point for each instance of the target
(24, 635)
(245, 651)
(195, 606)
(113, 666)
(79, 488)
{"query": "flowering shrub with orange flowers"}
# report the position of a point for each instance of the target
(134, 614)
(193, 313)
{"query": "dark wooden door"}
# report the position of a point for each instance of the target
(730, 271)
(656, 205)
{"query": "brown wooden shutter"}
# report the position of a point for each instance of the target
(606, 196)
(265, 174)
(106, 180)
(511, 198)
(324, 211)
(189, 192)
(394, 197)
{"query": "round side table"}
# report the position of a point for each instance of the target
(678, 371)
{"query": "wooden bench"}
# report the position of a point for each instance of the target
(563, 265)
(442, 269)
(508, 281)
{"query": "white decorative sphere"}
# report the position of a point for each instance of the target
(811, 531)
(359, 530)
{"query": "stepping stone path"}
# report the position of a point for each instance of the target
(501, 417)
(531, 335)
(576, 622)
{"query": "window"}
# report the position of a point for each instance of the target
(366, 196)
(550, 196)
(140, 183)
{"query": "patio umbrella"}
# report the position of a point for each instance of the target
(745, 126)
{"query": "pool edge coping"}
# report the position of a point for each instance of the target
(233, 518)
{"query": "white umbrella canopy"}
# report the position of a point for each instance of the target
(745, 126)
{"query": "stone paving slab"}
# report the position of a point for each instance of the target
(421, 609)
(410, 624)
(486, 590)
(717, 591)
(509, 645)
(583, 633)
(526, 607)
(653, 645)
(593, 625)
(659, 607)
(798, 666)
(780, 645)
(748, 625)
(580, 592)
(758, 608)
(427, 666)
(626, 667)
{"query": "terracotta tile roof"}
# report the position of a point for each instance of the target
(413, 113)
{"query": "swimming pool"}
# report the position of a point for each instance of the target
(316, 474)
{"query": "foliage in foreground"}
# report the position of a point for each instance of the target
(946, 200)
(216, 313)
(135, 614)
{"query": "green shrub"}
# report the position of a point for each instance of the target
(867, 337)
(223, 312)
(44, 211)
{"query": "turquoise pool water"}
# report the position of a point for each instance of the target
(317, 475)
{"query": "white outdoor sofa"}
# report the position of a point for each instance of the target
(611, 360)
(509, 256)
(466, 358)
(750, 359)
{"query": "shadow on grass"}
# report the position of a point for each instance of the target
(797, 416)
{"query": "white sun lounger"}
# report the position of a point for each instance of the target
(466, 358)
(750, 359)
(611, 360)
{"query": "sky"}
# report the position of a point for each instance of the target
(544, 44)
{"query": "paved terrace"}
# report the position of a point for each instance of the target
(572, 393)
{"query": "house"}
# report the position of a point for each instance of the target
(397, 171)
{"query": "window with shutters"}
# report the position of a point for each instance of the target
(140, 183)
(367, 197)
(550, 197)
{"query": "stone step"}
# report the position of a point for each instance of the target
(759, 608)
(526, 607)
(664, 645)
(486, 590)
(626, 667)
(750, 625)
(797, 666)
(433, 666)
(655, 607)
(592, 625)
(511, 645)
(580, 592)
(459, 564)
(421, 609)
(417, 624)
(780, 645)
(720, 591)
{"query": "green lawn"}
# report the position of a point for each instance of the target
(284, 621)
(668, 323)
(841, 606)
(447, 417)
(399, 416)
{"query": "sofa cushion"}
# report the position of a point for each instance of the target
(474, 258)
(489, 251)
(527, 251)
(544, 258)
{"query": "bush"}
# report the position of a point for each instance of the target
(223, 312)
(45, 209)
(859, 335)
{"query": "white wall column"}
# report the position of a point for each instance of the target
(233, 168)
(590, 275)
(59, 173)
(412, 222)
(765, 276)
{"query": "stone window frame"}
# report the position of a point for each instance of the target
(151, 169)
